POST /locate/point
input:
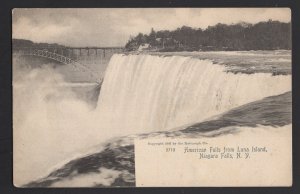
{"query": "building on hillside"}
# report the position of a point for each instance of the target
(144, 46)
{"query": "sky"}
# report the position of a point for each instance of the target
(114, 26)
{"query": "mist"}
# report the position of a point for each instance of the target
(51, 122)
(54, 124)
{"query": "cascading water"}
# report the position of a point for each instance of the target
(140, 94)
(149, 93)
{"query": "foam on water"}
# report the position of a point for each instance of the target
(146, 93)
(140, 93)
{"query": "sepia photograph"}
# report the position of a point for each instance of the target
(152, 97)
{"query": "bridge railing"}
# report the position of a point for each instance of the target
(63, 59)
(47, 54)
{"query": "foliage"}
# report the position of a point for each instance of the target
(21, 43)
(269, 35)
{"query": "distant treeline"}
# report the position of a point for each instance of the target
(21, 43)
(269, 35)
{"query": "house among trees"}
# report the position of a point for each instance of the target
(269, 35)
(144, 46)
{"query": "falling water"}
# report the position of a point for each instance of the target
(145, 92)
(140, 94)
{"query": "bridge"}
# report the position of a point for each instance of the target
(69, 55)
(46, 54)
(70, 52)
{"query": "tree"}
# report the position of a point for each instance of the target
(241, 36)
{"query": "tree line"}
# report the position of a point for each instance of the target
(268, 35)
(21, 43)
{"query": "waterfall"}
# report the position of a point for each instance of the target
(54, 123)
(149, 93)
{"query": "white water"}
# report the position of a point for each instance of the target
(145, 93)
(140, 93)
(276, 139)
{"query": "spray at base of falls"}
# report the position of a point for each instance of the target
(140, 94)
(152, 93)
